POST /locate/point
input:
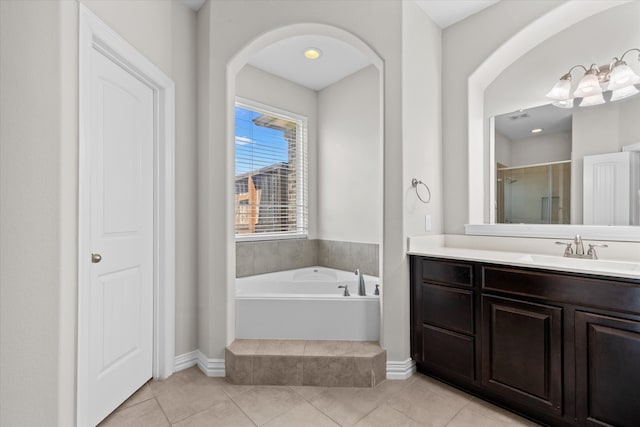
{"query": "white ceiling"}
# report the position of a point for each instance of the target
(448, 12)
(285, 59)
(551, 119)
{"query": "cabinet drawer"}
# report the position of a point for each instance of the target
(447, 272)
(608, 294)
(448, 351)
(447, 307)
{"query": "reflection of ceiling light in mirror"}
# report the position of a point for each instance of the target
(312, 53)
(589, 101)
(538, 130)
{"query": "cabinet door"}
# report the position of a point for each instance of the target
(607, 370)
(522, 352)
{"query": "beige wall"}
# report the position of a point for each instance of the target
(38, 135)
(421, 119)
(544, 148)
(349, 159)
(38, 191)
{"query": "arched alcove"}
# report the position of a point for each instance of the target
(242, 58)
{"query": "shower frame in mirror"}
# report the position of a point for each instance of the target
(557, 20)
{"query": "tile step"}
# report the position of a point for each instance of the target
(310, 362)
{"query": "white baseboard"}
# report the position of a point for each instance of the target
(400, 370)
(210, 367)
(186, 360)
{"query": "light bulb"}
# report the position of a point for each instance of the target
(312, 53)
(622, 76)
(589, 85)
(562, 89)
(589, 101)
(624, 92)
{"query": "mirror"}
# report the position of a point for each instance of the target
(523, 84)
(557, 166)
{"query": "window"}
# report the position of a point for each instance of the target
(271, 172)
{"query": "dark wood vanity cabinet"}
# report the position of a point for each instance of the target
(522, 351)
(607, 370)
(561, 348)
(444, 307)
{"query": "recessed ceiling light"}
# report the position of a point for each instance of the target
(538, 130)
(312, 53)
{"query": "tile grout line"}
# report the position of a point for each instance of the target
(161, 409)
(321, 411)
(242, 411)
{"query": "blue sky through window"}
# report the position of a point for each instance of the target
(257, 146)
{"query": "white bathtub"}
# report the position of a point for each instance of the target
(306, 304)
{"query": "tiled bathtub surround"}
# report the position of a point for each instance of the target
(349, 256)
(267, 256)
(309, 363)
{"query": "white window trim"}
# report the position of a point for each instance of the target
(303, 173)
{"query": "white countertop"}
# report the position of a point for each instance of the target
(436, 246)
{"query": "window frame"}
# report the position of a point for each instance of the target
(302, 170)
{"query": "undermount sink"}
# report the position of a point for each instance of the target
(583, 264)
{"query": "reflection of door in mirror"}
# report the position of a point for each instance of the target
(534, 194)
(611, 185)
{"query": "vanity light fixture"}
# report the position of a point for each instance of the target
(312, 53)
(537, 130)
(617, 77)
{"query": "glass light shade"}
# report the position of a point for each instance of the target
(596, 99)
(561, 90)
(624, 92)
(588, 86)
(622, 76)
(564, 103)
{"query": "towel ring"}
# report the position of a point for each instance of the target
(414, 184)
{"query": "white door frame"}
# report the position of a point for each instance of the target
(95, 34)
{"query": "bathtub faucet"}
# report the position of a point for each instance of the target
(361, 289)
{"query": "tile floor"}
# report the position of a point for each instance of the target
(189, 398)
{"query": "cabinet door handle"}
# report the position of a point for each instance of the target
(96, 258)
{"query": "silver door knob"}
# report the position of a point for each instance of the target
(96, 258)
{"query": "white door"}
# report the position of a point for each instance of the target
(607, 190)
(121, 146)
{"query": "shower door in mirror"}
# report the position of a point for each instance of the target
(534, 194)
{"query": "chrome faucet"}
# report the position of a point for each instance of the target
(579, 246)
(579, 253)
(346, 290)
(361, 289)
